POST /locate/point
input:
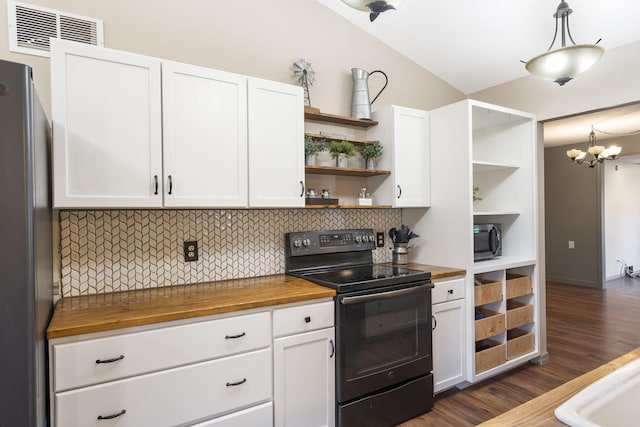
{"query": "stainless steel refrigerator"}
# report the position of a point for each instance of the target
(26, 298)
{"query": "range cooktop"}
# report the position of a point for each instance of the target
(347, 279)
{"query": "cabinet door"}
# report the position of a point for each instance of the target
(411, 168)
(276, 144)
(448, 344)
(106, 114)
(204, 137)
(304, 379)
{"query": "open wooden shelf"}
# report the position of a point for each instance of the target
(334, 138)
(341, 120)
(331, 170)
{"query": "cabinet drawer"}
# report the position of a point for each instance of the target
(303, 318)
(172, 397)
(491, 325)
(75, 364)
(257, 416)
(518, 285)
(486, 292)
(518, 314)
(519, 342)
(447, 290)
(490, 357)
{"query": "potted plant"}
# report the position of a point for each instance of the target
(312, 146)
(341, 150)
(370, 152)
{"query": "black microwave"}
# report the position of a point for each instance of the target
(487, 241)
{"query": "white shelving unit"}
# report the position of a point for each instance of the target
(474, 144)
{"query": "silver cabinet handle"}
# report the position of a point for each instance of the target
(301, 189)
(435, 322)
(399, 191)
(333, 349)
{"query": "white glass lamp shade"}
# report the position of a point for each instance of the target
(614, 150)
(561, 65)
(573, 153)
(362, 4)
(596, 150)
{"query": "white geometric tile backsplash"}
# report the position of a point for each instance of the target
(111, 251)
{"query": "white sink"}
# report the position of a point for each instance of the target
(611, 401)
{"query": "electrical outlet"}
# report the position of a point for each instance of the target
(572, 244)
(191, 250)
(380, 239)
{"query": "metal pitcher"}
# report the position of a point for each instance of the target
(360, 105)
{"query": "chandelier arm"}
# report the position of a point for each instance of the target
(569, 32)
(555, 34)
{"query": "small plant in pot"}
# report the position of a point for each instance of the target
(312, 146)
(370, 153)
(341, 150)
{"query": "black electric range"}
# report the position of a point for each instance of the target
(382, 323)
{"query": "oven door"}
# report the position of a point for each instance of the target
(384, 338)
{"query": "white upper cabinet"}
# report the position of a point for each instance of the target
(137, 132)
(276, 144)
(106, 112)
(404, 133)
(204, 137)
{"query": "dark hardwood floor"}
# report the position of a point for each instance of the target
(585, 329)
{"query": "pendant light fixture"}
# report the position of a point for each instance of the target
(566, 62)
(374, 7)
(597, 153)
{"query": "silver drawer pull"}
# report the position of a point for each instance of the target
(233, 337)
(110, 417)
(244, 380)
(115, 359)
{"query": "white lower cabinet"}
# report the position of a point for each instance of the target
(231, 371)
(256, 416)
(304, 385)
(172, 397)
(304, 366)
(448, 333)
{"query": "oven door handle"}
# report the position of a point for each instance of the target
(383, 295)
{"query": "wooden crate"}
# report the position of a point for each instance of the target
(486, 292)
(491, 325)
(519, 342)
(490, 357)
(518, 314)
(518, 285)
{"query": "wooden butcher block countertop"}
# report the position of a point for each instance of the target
(104, 312)
(539, 412)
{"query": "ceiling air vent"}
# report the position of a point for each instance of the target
(31, 27)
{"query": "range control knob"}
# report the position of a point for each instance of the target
(306, 243)
(372, 238)
(297, 243)
(358, 239)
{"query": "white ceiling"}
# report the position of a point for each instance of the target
(477, 44)
(474, 45)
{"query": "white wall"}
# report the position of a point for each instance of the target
(621, 216)
(256, 38)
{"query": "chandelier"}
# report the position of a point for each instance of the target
(563, 64)
(374, 7)
(597, 153)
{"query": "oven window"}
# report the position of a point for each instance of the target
(380, 334)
